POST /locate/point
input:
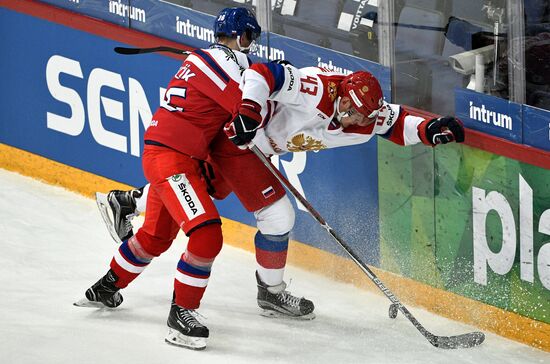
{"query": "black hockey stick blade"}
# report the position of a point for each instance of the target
(468, 340)
(463, 341)
(128, 51)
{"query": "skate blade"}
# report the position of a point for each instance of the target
(276, 314)
(87, 303)
(104, 208)
(174, 337)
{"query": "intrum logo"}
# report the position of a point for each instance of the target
(126, 11)
(331, 67)
(481, 113)
(185, 27)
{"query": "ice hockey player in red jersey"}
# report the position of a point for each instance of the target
(185, 133)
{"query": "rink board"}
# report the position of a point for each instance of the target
(82, 163)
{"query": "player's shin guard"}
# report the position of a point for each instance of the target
(195, 264)
(271, 252)
(129, 261)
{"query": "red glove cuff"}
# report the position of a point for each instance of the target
(422, 132)
(251, 109)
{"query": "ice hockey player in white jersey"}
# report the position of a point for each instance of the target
(312, 109)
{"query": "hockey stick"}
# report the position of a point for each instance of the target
(467, 340)
(129, 51)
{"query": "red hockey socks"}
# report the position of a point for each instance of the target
(129, 261)
(195, 264)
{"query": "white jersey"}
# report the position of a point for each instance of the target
(299, 107)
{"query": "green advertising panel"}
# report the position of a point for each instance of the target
(468, 221)
(407, 231)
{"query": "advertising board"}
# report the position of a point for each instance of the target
(87, 107)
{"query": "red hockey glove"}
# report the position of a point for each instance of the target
(442, 130)
(242, 129)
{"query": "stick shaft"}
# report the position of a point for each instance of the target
(131, 51)
(446, 342)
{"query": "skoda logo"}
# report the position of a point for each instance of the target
(176, 177)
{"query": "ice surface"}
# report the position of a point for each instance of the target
(53, 246)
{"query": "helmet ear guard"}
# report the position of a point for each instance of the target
(364, 91)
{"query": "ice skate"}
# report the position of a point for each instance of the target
(103, 294)
(277, 302)
(117, 209)
(185, 330)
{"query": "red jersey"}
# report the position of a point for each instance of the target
(201, 97)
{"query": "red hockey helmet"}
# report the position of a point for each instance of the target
(364, 91)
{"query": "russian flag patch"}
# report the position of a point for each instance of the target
(268, 192)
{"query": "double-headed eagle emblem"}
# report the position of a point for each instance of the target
(303, 143)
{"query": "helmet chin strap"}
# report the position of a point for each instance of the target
(342, 114)
(241, 48)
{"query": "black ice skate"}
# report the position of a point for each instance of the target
(117, 209)
(103, 293)
(185, 330)
(277, 302)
